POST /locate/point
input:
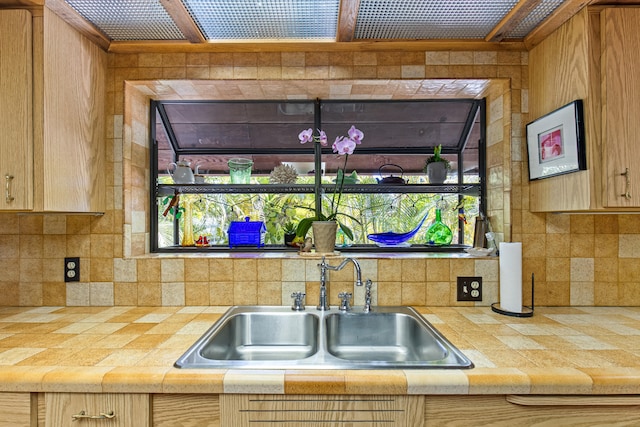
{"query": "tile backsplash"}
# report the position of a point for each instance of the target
(577, 259)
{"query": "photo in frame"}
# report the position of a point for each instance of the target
(555, 142)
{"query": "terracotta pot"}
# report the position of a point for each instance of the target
(324, 236)
(436, 172)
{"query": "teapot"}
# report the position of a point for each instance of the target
(391, 179)
(182, 173)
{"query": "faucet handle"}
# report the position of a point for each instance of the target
(345, 298)
(298, 301)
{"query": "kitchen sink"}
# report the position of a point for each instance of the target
(269, 337)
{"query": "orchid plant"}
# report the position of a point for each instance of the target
(343, 145)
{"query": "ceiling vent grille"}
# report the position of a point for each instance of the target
(537, 15)
(429, 19)
(265, 19)
(129, 19)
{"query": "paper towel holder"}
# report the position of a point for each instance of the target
(526, 311)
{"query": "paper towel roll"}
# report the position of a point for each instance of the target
(511, 276)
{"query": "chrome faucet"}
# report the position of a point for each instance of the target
(323, 304)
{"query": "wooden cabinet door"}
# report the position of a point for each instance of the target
(15, 410)
(16, 133)
(61, 409)
(621, 106)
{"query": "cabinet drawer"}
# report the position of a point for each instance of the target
(127, 409)
(310, 410)
(523, 411)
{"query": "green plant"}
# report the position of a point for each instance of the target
(289, 228)
(437, 158)
(343, 145)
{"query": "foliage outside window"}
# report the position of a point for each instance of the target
(400, 136)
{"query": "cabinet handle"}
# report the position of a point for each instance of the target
(101, 416)
(627, 184)
(7, 188)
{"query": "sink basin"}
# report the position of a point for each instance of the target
(383, 337)
(268, 337)
(263, 336)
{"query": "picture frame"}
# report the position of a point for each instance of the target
(555, 142)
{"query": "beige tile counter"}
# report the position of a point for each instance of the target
(561, 350)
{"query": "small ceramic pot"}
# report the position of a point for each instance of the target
(436, 172)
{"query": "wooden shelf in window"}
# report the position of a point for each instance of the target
(168, 189)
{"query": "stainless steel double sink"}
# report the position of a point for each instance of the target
(271, 337)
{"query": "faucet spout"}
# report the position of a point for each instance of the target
(356, 265)
(323, 304)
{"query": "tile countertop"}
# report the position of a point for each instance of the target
(560, 350)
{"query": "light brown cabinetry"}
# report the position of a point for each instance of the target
(112, 409)
(507, 411)
(185, 410)
(620, 108)
(15, 410)
(595, 57)
(52, 88)
(320, 410)
(16, 139)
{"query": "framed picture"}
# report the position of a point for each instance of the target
(555, 142)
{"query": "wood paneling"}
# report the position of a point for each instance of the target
(74, 90)
(15, 410)
(559, 70)
(186, 410)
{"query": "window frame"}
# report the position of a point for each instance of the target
(460, 188)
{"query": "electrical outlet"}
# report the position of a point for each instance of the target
(469, 288)
(72, 269)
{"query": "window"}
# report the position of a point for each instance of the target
(399, 136)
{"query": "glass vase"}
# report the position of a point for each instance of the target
(439, 234)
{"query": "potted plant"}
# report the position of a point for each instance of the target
(324, 241)
(437, 167)
(289, 229)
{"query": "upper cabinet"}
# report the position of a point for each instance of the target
(594, 57)
(16, 138)
(51, 115)
(621, 106)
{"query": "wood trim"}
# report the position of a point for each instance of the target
(347, 20)
(21, 3)
(554, 400)
(270, 46)
(511, 20)
(77, 21)
(562, 14)
(183, 20)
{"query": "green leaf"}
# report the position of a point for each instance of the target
(304, 226)
(346, 230)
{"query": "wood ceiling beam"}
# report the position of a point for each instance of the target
(347, 17)
(77, 21)
(562, 14)
(511, 20)
(183, 20)
(273, 46)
